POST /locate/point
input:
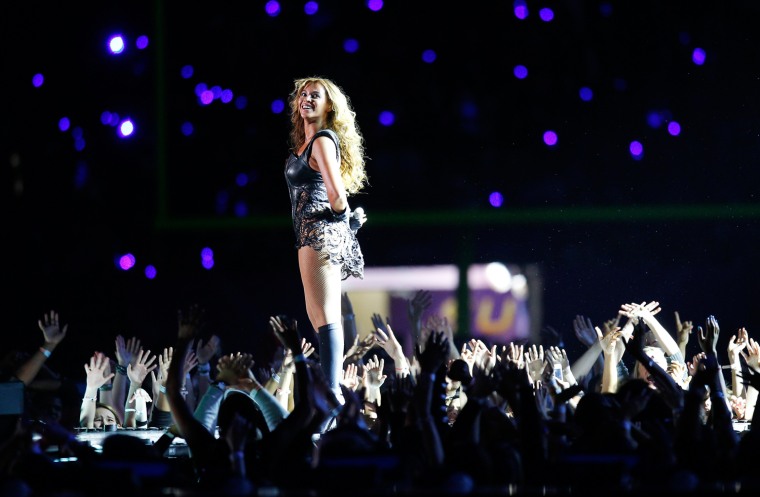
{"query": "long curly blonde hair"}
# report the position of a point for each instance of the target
(342, 120)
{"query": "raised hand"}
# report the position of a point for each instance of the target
(232, 368)
(359, 348)
(144, 364)
(558, 356)
(191, 321)
(534, 361)
(191, 360)
(204, 352)
(96, 371)
(164, 359)
(386, 340)
(736, 345)
(51, 331)
(683, 332)
(350, 377)
(379, 324)
(373, 379)
(373, 372)
(611, 324)
(126, 352)
(708, 337)
(417, 305)
(435, 353)
(514, 355)
(584, 330)
(285, 329)
(752, 356)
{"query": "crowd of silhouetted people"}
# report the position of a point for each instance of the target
(634, 413)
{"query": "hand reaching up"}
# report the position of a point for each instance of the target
(435, 353)
(126, 352)
(191, 321)
(144, 364)
(204, 352)
(285, 329)
(379, 324)
(51, 331)
(417, 305)
(359, 348)
(683, 331)
(752, 356)
(584, 330)
(708, 337)
(534, 361)
(96, 371)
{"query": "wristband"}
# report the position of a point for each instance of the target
(106, 387)
(129, 409)
(340, 216)
(122, 370)
(204, 368)
(91, 399)
(349, 317)
(299, 358)
(45, 352)
(276, 378)
(162, 388)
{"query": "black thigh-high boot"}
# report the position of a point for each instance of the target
(331, 361)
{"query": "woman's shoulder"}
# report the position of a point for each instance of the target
(327, 132)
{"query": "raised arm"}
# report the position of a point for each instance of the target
(52, 334)
(647, 312)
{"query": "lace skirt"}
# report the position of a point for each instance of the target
(336, 241)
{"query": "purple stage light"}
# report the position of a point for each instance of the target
(187, 71)
(151, 272)
(520, 9)
(277, 106)
(105, 117)
(207, 97)
(351, 45)
(187, 128)
(550, 138)
(115, 120)
(79, 144)
(496, 199)
(126, 262)
(207, 253)
(586, 94)
(226, 96)
(636, 149)
(429, 56)
(520, 71)
(37, 80)
(698, 56)
(142, 42)
(240, 209)
(272, 8)
(375, 5)
(64, 124)
(386, 118)
(310, 8)
(546, 14)
(217, 91)
(674, 128)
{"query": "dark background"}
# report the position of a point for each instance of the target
(679, 226)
